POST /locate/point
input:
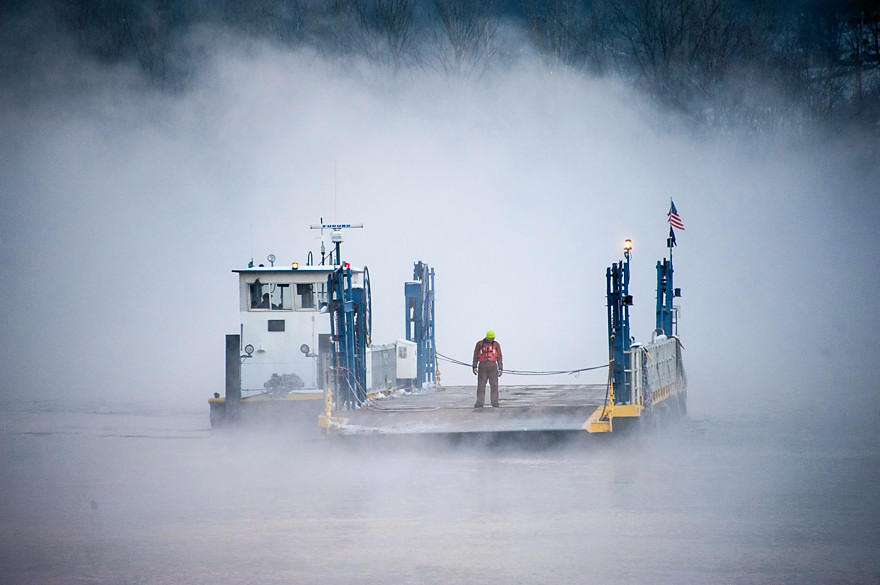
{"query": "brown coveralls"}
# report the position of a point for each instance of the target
(487, 371)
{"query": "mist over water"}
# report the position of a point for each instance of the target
(125, 208)
(143, 497)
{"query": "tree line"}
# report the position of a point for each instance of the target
(755, 64)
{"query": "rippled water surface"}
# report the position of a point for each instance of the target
(132, 494)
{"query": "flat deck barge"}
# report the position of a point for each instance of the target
(305, 349)
(450, 410)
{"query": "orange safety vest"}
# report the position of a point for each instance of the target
(488, 352)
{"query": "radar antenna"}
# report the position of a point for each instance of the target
(335, 236)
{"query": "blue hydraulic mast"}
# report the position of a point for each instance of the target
(419, 296)
(666, 291)
(349, 308)
(350, 324)
(619, 302)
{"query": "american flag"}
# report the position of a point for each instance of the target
(673, 218)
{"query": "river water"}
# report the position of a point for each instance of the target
(131, 494)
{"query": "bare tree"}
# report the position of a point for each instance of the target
(679, 48)
(468, 30)
(564, 30)
(283, 20)
(861, 50)
(385, 29)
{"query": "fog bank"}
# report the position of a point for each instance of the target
(126, 207)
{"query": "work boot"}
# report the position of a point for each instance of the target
(478, 405)
(496, 405)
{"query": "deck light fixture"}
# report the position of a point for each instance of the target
(294, 266)
(627, 248)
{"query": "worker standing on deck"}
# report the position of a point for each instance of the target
(488, 366)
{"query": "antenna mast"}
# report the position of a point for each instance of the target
(335, 236)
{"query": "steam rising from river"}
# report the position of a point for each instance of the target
(124, 210)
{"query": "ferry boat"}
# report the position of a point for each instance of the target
(304, 356)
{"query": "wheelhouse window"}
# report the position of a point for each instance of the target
(322, 296)
(305, 297)
(270, 296)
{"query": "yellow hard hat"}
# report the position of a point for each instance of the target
(490, 334)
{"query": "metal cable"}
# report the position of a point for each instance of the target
(372, 404)
(524, 372)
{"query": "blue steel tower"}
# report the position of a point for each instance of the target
(420, 321)
(349, 308)
(666, 291)
(619, 301)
